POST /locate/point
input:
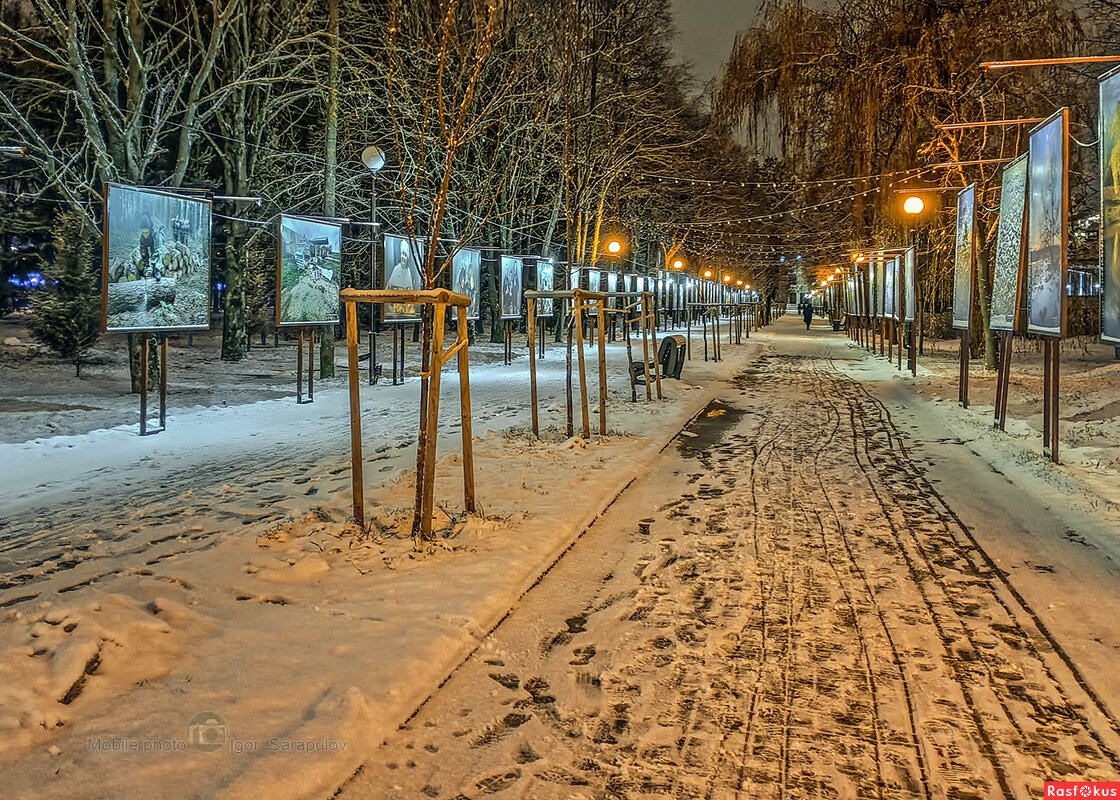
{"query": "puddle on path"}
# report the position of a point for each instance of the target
(707, 430)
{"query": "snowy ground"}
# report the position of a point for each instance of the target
(210, 569)
(850, 588)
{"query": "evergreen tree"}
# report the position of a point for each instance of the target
(66, 314)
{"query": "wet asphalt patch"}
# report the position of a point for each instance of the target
(708, 427)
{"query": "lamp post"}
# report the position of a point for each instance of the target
(374, 159)
(914, 206)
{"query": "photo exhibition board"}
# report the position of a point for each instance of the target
(546, 275)
(1008, 272)
(155, 273)
(1110, 206)
(466, 277)
(964, 257)
(890, 280)
(1047, 225)
(403, 257)
(308, 271)
(910, 284)
(511, 287)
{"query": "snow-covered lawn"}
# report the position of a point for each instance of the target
(211, 568)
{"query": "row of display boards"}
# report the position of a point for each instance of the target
(157, 258)
(1030, 270)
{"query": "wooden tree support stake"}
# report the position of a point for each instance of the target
(532, 319)
(602, 366)
(440, 299)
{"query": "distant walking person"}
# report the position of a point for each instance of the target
(807, 314)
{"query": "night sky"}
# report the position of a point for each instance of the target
(707, 30)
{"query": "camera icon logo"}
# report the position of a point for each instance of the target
(207, 732)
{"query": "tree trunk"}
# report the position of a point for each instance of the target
(235, 340)
(422, 445)
(330, 176)
(140, 295)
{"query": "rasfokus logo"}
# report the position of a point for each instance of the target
(1082, 789)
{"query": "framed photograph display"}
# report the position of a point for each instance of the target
(910, 284)
(308, 267)
(155, 273)
(1110, 206)
(511, 287)
(594, 281)
(878, 281)
(890, 296)
(964, 259)
(1048, 225)
(403, 257)
(1008, 273)
(466, 277)
(546, 273)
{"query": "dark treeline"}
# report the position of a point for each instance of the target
(534, 128)
(861, 88)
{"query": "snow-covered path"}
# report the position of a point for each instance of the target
(809, 616)
(847, 591)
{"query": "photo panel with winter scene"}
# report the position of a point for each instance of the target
(1047, 221)
(156, 269)
(546, 280)
(308, 266)
(964, 257)
(403, 258)
(466, 277)
(511, 287)
(910, 284)
(1110, 205)
(612, 286)
(594, 284)
(1008, 271)
(890, 280)
(878, 283)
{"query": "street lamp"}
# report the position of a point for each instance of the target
(678, 264)
(707, 273)
(614, 247)
(727, 278)
(374, 159)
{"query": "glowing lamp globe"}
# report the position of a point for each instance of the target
(614, 247)
(914, 205)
